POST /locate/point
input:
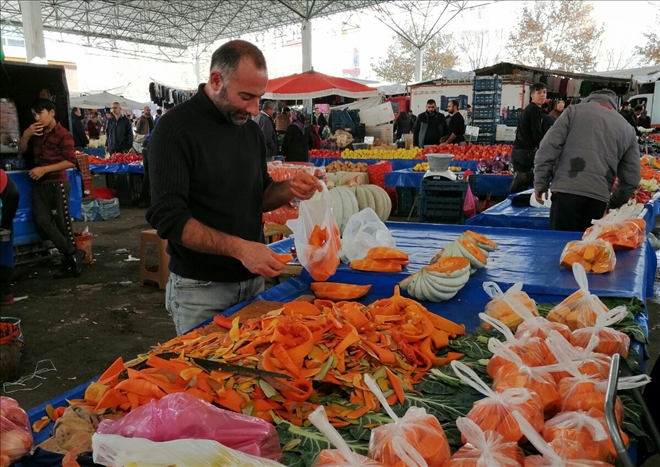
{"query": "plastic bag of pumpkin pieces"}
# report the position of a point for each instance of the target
(484, 448)
(621, 228)
(498, 308)
(594, 254)
(416, 439)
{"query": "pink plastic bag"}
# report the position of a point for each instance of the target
(470, 204)
(180, 416)
(15, 433)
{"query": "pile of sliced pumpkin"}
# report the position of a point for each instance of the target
(470, 245)
(381, 259)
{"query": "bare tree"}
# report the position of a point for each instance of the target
(651, 51)
(618, 61)
(481, 48)
(556, 35)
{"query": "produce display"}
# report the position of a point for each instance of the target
(381, 259)
(347, 201)
(622, 229)
(466, 152)
(498, 165)
(470, 152)
(116, 158)
(592, 253)
(338, 292)
(424, 166)
(97, 143)
(337, 166)
(499, 309)
(470, 245)
(484, 448)
(440, 281)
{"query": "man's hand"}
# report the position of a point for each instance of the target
(258, 259)
(539, 197)
(303, 185)
(36, 129)
(37, 173)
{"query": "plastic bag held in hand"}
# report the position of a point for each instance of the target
(363, 232)
(15, 432)
(484, 449)
(342, 456)
(499, 309)
(580, 309)
(181, 415)
(414, 440)
(494, 412)
(317, 236)
(611, 341)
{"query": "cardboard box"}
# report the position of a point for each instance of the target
(377, 115)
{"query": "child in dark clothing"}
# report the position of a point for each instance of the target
(52, 146)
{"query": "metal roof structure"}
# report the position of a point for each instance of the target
(507, 68)
(174, 26)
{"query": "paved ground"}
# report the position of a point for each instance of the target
(83, 324)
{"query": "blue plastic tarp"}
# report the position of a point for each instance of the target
(496, 185)
(25, 231)
(98, 152)
(116, 168)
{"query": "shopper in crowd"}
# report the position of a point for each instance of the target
(93, 127)
(585, 151)
(558, 108)
(119, 134)
(108, 117)
(10, 196)
(145, 124)
(644, 120)
(298, 140)
(316, 141)
(430, 126)
(413, 118)
(52, 147)
(634, 118)
(319, 120)
(402, 125)
(80, 140)
(626, 108)
(210, 187)
(159, 113)
(456, 124)
(265, 121)
(283, 120)
(469, 115)
(547, 120)
(528, 137)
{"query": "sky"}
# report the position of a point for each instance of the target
(342, 40)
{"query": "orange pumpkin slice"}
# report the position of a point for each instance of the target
(337, 291)
(375, 265)
(382, 252)
(451, 266)
(473, 253)
(482, 241)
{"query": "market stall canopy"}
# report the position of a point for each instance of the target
(643, 75)
(361, 105)
(312, 85)
(385, 88)
(104, 100)
(507, 68)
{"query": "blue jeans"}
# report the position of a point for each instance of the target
(191, 302)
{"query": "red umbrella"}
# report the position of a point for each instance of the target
(311, 85)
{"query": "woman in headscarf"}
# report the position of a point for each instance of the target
(297, 140)
(558, 108)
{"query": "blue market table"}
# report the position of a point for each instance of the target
(116, 168)
(495, 185)
(97, 152)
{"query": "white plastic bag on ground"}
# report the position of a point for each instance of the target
(363, 232)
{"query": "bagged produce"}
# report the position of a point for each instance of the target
(484, 449)
(585, 359)
(495, 410)
(534, 325)
(182, 415)
(316, 236)
(586, 429)
(610, 341)
(559, 455)
(117, 451)
(364, 231)
(580, 309)
(414, 440)
(594, 254)
(621, 228)
(499, 309)
(342, 456)
(532, 350)
(15, 433)
(516, 374)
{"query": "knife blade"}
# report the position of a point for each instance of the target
(214, 365)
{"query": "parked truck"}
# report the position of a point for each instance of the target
(650, 98)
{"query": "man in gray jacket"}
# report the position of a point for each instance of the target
(588, 147)
(265, 121)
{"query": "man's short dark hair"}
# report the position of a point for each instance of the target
(42, 104)
(454, 102)
(469, 106)
(430, 101)
(286, 110)
(226, 58)
(537, 87)
(639, 108)
(625, 104)
(159, 111)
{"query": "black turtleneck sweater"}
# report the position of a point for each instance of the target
(202, 166)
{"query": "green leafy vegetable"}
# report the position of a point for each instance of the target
(444, 408)
(361, 432)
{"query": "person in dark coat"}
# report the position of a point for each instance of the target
(319, 120)
(430, 127)
(78, 129)
(119, 134)
(403, 125)
(93, 128)
(297, 141)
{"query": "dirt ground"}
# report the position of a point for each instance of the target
(82, 325)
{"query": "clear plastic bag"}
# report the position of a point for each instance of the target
(621, 228)
(610, 341)
(414, 440)
(181, 415)
(364, 231)
(15, 433)
(487, 449)
(516, 374)
(117, 451)
(316, 235)
(494, 412)
(342, 456)
(586, 429)
(498, 308)
(580, 309)
(552, 456)
(592, 253)
(588, 361)
(532, 324)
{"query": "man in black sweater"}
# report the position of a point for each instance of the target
(210, 186)
(119, 132)
(528, 137)
(430, 126)
(456, 124)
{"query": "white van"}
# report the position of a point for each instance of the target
(650, 100)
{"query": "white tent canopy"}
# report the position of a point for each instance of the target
(104, 100)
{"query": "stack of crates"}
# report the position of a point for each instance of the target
(441, 201)
(486, 101)
(512, 116)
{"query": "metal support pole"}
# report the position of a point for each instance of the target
(196, 71)
(610, 414)
(419, 61)
(33, 31)
(306, 46)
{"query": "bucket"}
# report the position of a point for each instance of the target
(16, 322)
(84, 242)
(10, 349)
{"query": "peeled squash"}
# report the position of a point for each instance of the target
(463, 247)
(481, 241)
(439, 282)
(337, 291)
